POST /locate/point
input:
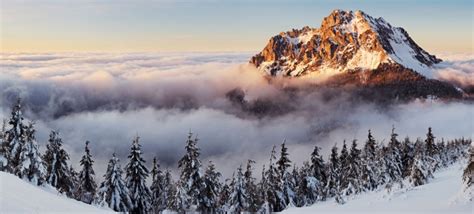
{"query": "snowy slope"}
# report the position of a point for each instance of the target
(441, 195)
(18, 196)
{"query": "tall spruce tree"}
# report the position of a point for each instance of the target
(468, 174)
(333, 175)
(238, 200)
(420, 171)
(304, 195)
(13, 138)
(136, 174)
(431, 151)
(274, 192)
(369, 164)
(4, 148)
(318, 166)
(224, 196)
(287, 184)
(57, 170)
(350, 180)
(212, 189)
(191, 183)
(251, 187)
(85, 190)
(407, 156)
(113, 191)
(31, 166)
(393, 160)
(158, 188)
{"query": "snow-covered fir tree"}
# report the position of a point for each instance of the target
(4, 148)
(136, 174)
(86, 187)
(158, 188)
(224, 196)
(468, 174)
(251, 187)
(55, 160)
(431, 150)
(113, 191)
(420, 171)
(238, 200)
(318, 166)
(31, 166)
(74, 176)
(275, 199)
(191, 182)
(212, 189)
(169, 190)
(350, 174)
(286, 182)
(407, 156)
(309, 189)
(13, 139)
(392, 160)
(369, 175)
(333, 174)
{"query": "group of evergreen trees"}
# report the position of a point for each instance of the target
(282, 184)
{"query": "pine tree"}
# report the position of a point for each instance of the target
(431, 150)
(318, 166)
(31, 166)
(55, 159)
(212, 189)
(74, 177)
(86, 187)
(238, 200)
(4, 148)
(350, 181)
(285, 180)
(158, 188)
(169, 190)
(420, 172)
(224, 196)
(308, 188)
(136, 174)
(468, 174)
(393, 160)
(13, 139)
(333, 175)
(369, 164)
(407, 156)
(274, 192)
(191, 182)
(113, 192)
(251, 187)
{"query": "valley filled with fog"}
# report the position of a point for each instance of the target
(109, 99)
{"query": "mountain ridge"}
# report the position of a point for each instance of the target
(350, 46)
(346, 40)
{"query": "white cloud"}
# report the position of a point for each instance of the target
(109, 98)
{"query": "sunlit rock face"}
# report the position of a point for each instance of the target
(346, 40)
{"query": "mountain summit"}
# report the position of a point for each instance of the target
(345, 41)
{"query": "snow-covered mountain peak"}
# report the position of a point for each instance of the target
(346, 40)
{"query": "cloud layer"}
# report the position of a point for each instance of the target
(110, 98)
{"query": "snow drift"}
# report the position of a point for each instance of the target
(18, 196)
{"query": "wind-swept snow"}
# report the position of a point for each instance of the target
(19, 196)
(440, 195)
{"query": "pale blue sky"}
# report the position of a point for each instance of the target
(211, 25)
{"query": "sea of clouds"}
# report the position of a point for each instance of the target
(109, 98)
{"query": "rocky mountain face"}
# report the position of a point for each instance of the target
(349, 47)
